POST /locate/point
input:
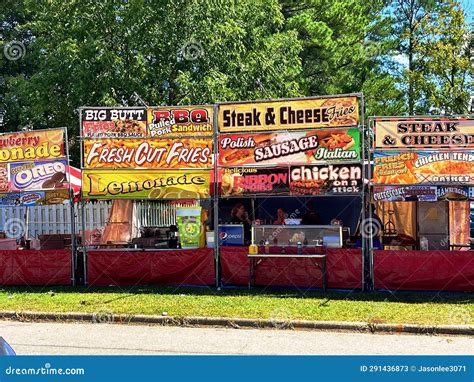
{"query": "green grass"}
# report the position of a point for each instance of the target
(419, 308)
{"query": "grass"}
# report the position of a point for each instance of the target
(416, 308)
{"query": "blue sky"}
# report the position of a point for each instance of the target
(468, 6)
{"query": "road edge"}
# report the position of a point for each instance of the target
(105, 317)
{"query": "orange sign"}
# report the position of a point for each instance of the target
(142, 153)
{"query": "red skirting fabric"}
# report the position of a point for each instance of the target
(35, 267)
(424, 270)
(173, 267)
(344, 267)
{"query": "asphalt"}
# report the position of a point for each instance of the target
(52, 338)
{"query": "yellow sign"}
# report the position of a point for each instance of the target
(32, 145)
(149, 184)
(289, 114)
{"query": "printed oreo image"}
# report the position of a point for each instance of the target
(42, 175)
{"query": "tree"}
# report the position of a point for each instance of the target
(445, 54)
(85, 52)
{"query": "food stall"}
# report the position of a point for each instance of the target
(287, 155)
(35, 182)
(421, 186)
(156, 166)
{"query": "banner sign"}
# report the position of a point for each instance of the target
(114, 122)
(289, 147)
(424, 133)
(328, 179)
(312, 113)
(153, 153)
(34, 198)
(424, 167)
(39, 175)
(150, 184)
(238, 181)
(193, 121)
(31, 145)
(420, 193)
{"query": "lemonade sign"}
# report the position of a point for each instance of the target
(150, 184)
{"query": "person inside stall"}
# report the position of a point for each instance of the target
(281, 216)
(240, 216)
(311, 217)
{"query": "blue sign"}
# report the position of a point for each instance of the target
(231, 234)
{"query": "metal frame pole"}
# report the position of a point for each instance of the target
(216, 198)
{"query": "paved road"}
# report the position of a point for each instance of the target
(89, 339)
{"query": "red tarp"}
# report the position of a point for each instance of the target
(173, 267)
(344, 269)
(424, 270)
(35, 267)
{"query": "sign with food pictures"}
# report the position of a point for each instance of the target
(32, 145)
(191, 121)
(424, 133)
(240, 181)
(419, 193)
(38, 175)
(34, 198)
(279, 148)
(424, 167)
(113, 122)
(327, 179)
(146, 184)
(148, 153)
(305, 113)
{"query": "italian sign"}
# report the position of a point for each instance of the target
(289, 147)
(420, 193)
(328, 179)
(194, 121)
(424, 167)
(31, 145)
(424, 133)
(238, 181)
(114, 123)
(150, 184)
(289, 114)
(38, 175)
(152, 153)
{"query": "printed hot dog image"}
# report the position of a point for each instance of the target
(285, 148)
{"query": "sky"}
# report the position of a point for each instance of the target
(468, 6)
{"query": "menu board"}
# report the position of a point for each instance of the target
(113, 123)
(424, 133)
(146, 184)
(283, 148)
(420, 193)
(147, 153)
(424, 167)
(304, 113)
